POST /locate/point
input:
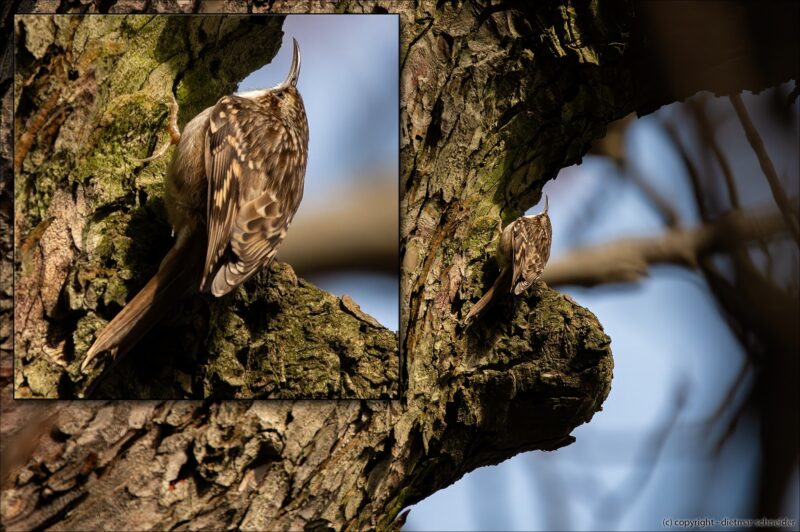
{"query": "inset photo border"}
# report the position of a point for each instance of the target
(162, 249)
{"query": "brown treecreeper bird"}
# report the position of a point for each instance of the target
(233, 186)
(522, 255)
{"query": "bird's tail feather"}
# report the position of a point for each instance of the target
(178, 275)
(501, 286)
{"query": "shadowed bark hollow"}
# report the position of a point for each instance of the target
(494, 101)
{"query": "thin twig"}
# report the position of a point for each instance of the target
(664, 207)
(757, 303)
(695, 177)
(616, 504)
(753, 137)
(720, 289)
(727, 403)
(702, 195)
(707, 134)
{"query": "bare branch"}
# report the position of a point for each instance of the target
(767, 167)
(628, 260)
(707, 134)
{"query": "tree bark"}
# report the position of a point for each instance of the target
(494, 100)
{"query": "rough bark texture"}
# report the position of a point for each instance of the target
(494, 101)
(91, 229)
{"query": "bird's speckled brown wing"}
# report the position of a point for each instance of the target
(248, 212)
(531, 243)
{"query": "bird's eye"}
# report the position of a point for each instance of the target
(279, 95)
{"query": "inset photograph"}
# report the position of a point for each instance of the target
(206, 207)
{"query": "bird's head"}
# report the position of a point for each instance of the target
(285, 96)
(542, 214)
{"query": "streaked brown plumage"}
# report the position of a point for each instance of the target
(233, 186)
(522, 255)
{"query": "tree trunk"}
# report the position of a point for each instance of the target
(494, 101)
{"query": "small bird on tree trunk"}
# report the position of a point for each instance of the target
(233, 186)
(522, 255)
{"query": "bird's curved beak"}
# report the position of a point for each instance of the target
(545, 204)
(294, 70)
